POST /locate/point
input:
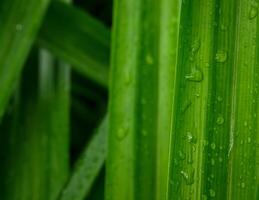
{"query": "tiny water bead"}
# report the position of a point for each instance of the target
(189, 178)
(220, 120)
(191, 138)
(149, 59)
(144, 132)
(196, 45)
(143, 101)
(253, 12)
(122, 133)
(195, 76)
(219, 98)
(19, 27)
(212, 193)
(221, 56)
(223, 27)
(128, 78)
(213, 145)
(182, 155)
(207, 65)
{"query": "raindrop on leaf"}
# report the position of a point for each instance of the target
(122, 133)
(195, 76)
(253, 12)
(212, 193)
(221, 56)
(220, 120)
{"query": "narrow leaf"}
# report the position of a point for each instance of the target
(213, 146)
(35, 159)
(194, 140)
(88, 166)
(79, 39)
(16, 37)
(131, 164)
(169, 31)
(243, 150)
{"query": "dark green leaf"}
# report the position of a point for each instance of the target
(88, 166)
(16, 37)
(79, 39)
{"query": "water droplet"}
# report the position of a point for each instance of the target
(19, 27)
(223, 27)
(189, 178)
(186, 106)
(144, 132)
(221, 56)
(196, 45)
(190, 159)
(149, 59)
(213, 145)
(205, 143)
(212, 193)
(219, 98)
(207, 65)
(196, 75)
(191, 138)
(245, 123)
(128, 78)
(220, 120)
(212, 161)
(243, 185)
(182, 155)
(143, 101)
(249, 140)
(122, 133)
(197, 95)
(253, 12)
(220, 159)
(204, 197)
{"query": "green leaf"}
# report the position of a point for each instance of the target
(243, 149)
(35, 144)
(16, 37)
(54, 102)
(168, 52)
(213, 145)
(131, 164)
(79, 39)
(88, 167)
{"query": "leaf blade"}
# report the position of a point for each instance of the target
(79, 39)
(88, 166)
(16, 38)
